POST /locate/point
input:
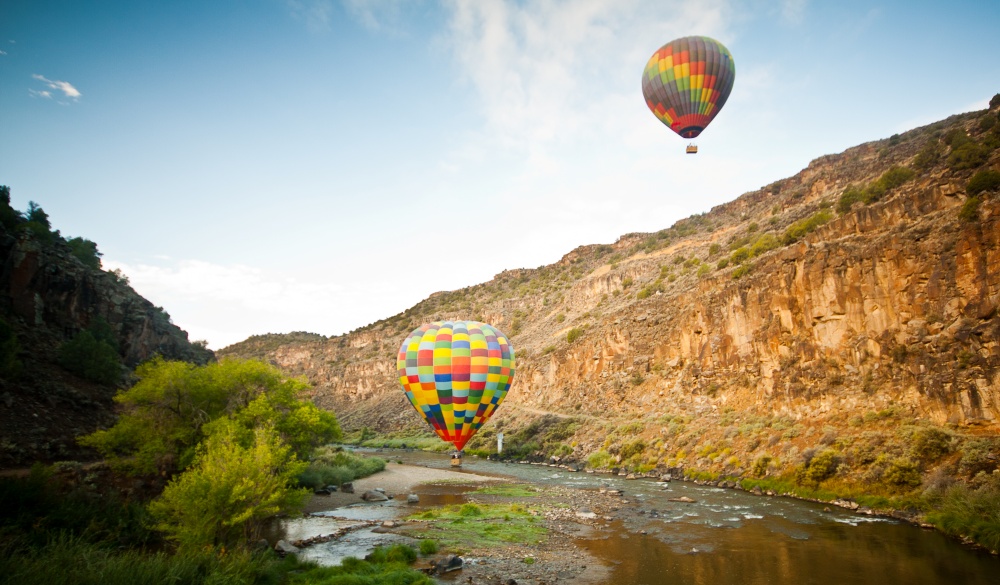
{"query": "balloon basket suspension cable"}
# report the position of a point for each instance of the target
(692, 148)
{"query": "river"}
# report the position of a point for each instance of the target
(732, 537)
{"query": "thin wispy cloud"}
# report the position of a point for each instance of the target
(2, 52)
(315, 13)
(793, 11)
(64, 86)
(547, 70)
(204, 296)
(377, 15)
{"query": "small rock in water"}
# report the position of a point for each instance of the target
(284, 548)
(380, 490)
(683, 499)
(412, 499)
(389, 524)
(453, 563)
(586, 515)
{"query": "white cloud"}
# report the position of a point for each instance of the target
(315, 13)
(3, 52)
(227, 303)
(377, 15)
(42, 94)
(793, 11)
(63, 86)
(546, 71)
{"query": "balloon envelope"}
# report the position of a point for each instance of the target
(456, 374)
(687, 81)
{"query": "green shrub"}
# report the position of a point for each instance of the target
(892, 178)
(765, 243)
(760, 465)
(714, 249)
(928, 155)
(821, 467)
(703, 270)
(902, 472)
(742, 271)
(851, 195)
(968, 156)
(90, 358)
(929, 444)
(722, 263)
(470, 510)
(969, 210)
(599, 460)
(978, 455)
(985, 180)
(573, 334)
(801, 228)
(740, 255)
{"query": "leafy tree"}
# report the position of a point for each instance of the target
(9, 218)
(91, 358)
(86, 252)
(38, 223)
(230, 490)
(171, 409)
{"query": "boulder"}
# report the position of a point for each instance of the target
(347, 488)
(683, 499)
(412, 499)
(374, 496)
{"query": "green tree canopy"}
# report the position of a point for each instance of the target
(175, 405)
(231, 488)
(86, 252)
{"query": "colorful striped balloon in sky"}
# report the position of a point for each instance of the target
(687, 81)
(456, 374)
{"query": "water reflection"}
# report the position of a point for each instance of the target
(733, 537)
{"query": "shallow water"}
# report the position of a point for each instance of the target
(724, 537)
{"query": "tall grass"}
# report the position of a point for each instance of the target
(969, 513)
(331, 466)
(71, 560)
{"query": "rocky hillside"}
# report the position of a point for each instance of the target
(850, 309)
(47, 297)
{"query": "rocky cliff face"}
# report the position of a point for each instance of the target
(772, 326)
(48, 296)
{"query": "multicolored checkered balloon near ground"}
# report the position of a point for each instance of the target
(456, 374)
(687, 81)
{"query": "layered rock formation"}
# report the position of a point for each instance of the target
(882, 318)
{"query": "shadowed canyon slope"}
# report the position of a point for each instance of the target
(47, 296)
(786, 316)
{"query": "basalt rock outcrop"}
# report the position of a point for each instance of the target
(878, 318)
(48, 296)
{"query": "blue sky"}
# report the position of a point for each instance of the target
(277, 165)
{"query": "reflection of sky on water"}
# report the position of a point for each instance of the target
(725, 536)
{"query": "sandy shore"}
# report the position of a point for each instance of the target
(397, 480)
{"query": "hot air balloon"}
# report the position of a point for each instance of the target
(686, 82)
(456, 374)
